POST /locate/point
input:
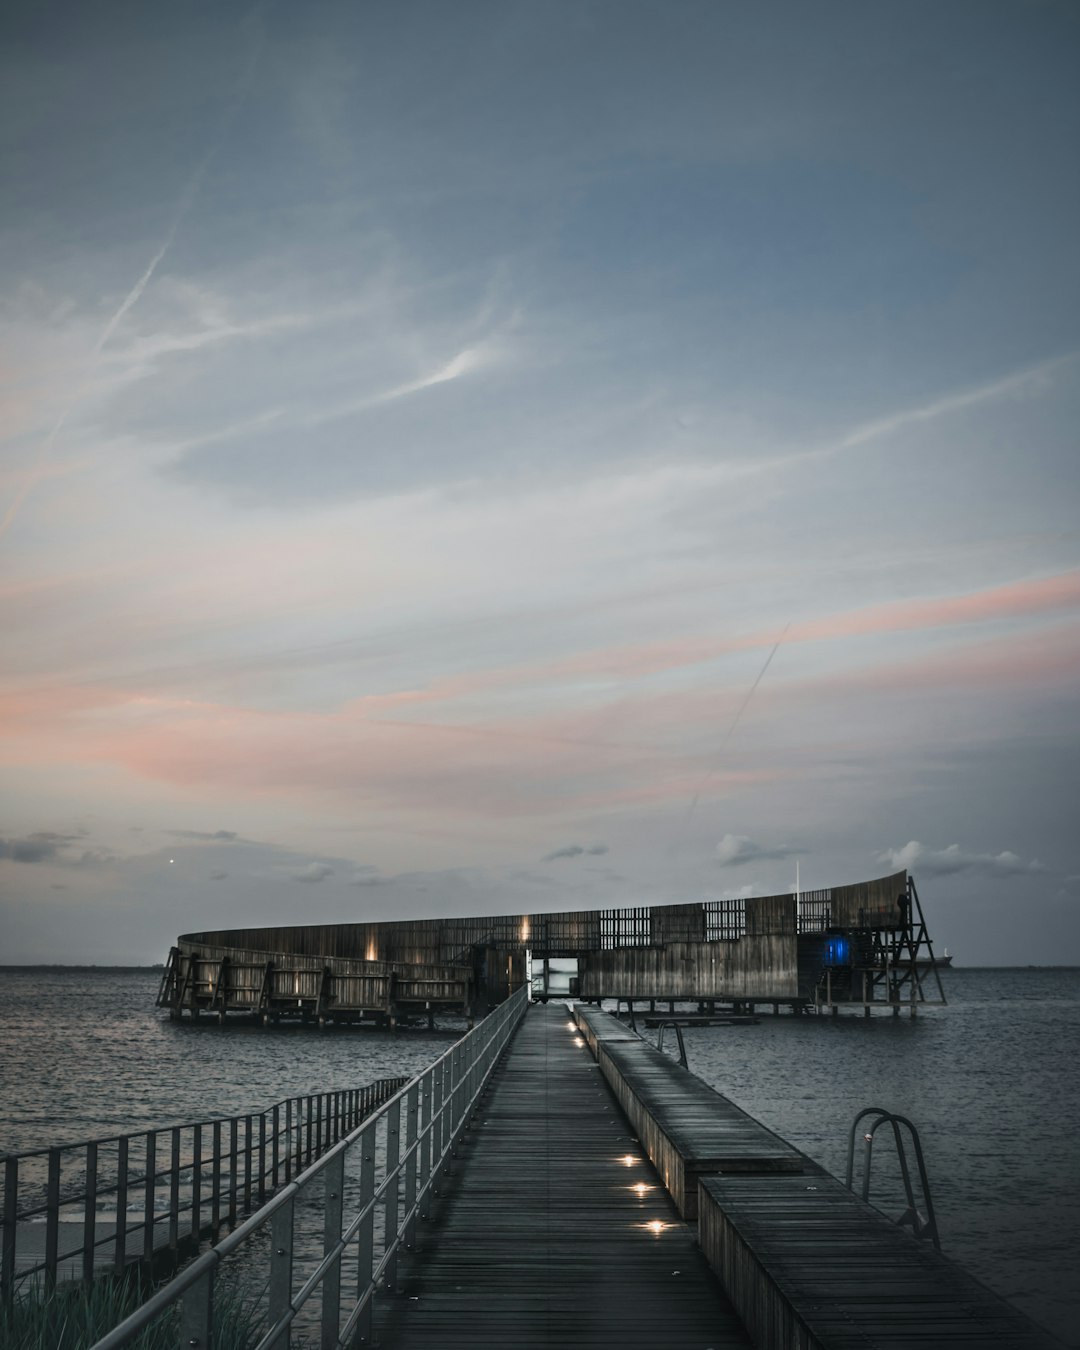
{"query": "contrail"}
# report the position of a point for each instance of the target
(183, 206)
(738, 715)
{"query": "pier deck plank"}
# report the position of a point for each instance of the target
(541, 1240)
(849, 1277)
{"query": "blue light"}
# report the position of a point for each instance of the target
(837, 951)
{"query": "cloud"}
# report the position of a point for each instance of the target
(35, 848)
(1032, 379)
(313, 873)
(576, 851)
(948, 861)
(225, 835)
(735, 849)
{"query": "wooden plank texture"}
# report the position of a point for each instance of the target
(688, 1129)
(541, 1238)
(810, 1266)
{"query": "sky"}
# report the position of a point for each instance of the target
(504, 456)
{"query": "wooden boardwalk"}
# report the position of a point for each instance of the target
(812, 1264)
(554, 1229)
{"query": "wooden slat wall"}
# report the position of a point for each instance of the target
(663, 951)
(751, 967)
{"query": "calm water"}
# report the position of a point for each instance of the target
(991, 1081)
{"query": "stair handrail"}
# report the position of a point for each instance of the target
(922, 1225)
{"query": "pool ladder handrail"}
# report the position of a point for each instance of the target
(922, 1225)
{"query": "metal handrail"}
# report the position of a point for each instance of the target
(922, 1225)
(230, 1164)
(678, 1036)
(437, 1105)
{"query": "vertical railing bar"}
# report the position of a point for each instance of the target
(234, 1168)
(393, 1176)
(120, 1247)
(333, 1186)
(275, 1149)
(174, 1192)
(425, 1131)
(248, 1145)
(197, 1312)
(196, 1182)
(288, 1140)
(11, 1210)
(89, 1212)
(365, 1241)
(411, 1122)
(149, 1196)
(52, 1217)
(281, 1268)
(215, 1193)
(262, 1158)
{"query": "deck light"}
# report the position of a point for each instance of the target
(655, 1226)
(628, 1160)
(642, 1189)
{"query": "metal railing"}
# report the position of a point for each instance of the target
(163, 1188)
(922, 1225)
(322, 1267)
(678, 1036)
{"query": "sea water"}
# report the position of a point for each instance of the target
(990, 1081)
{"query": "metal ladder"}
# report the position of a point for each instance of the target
(923, 1225)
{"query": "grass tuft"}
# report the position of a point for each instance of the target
(76, 1316)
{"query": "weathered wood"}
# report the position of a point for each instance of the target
(541, 1239)
(687, 1128)
(810, 1266)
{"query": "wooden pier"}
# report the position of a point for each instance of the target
(605, 1196)
(554, 1229)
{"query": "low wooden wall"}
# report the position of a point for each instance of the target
(810, 1266)
(205, 977)
(687, 1128)
(764, 966)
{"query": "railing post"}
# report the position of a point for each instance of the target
(196, 1183)
(275, 1150)
(248, 1147)
(288, 1140)
(197, 1312)
(412, 1112)
(174, 1193)
(393, 1177)
(149, 1193)
(52, 1218)
(262, 1158)
(426, 1086)
(11, 1211)
(215, 1184)
(438, 1112)
(234, 1164)
(120, 1245)
(89, 1213)
(365, 1237)
(333, 1184)
(281, 1268)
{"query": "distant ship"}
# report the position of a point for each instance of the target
(941, 961)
